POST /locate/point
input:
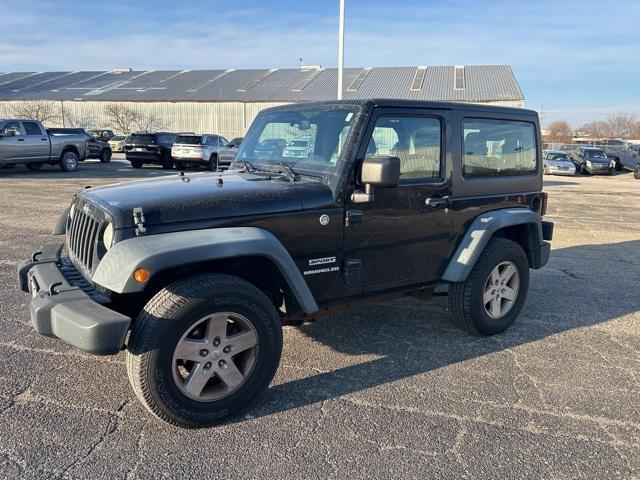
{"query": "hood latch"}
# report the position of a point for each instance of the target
(138, 221)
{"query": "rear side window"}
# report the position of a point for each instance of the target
(189, 139)
(498, 148)
(32, 128)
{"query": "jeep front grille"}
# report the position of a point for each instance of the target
(83, 231)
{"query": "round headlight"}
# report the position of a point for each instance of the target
(107, 235)
(72, 210)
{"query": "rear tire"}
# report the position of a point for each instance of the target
(69, 161)
(137, 163)
(105, 156)
(33, 166)
(467, 299)
(182, 321)
(212, 166)
(166, 162)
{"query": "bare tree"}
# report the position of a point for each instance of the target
(560, 131)
(125, 120)
(597, 129)
(621, 124)
(74, 121)
(40, 110)
(635, 130)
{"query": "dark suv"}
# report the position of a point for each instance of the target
(144, 147)
(194, 274)
(591, 160)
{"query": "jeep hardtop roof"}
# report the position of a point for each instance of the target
(391, 102)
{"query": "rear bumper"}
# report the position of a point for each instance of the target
(145, 157)
(542, 253)
(67, 312)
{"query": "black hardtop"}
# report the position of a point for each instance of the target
(399, 103)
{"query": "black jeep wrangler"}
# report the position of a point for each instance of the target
(195, 274)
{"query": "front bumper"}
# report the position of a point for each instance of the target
(559, 171)
(69, 311)
(598, 170)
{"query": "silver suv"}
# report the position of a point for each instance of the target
(211, 151)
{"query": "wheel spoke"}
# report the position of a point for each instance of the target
(216, 328)
(189, 349)
(495, 307)
(495, 276)
(196, 380)
(242, 341)
(508, 293)
(230, 375)
(488, 296)
(508, 273)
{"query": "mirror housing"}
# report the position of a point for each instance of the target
(381, 172)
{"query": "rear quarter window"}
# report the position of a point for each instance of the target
(498, 148)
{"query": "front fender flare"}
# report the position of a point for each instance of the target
(479, 234)
(167, 250)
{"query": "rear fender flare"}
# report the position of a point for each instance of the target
(478, 235)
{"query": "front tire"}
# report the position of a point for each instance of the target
(212, 165)
(69, 162)
(481, 305)
(203, 349)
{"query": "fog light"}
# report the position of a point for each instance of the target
(141, 275)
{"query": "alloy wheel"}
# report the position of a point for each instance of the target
(501, 290)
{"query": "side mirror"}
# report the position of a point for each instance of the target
(381, 172)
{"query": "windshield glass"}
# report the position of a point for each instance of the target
(189, 139)
(563, 157)
(595, 154)
(117, 138)
(321, 131)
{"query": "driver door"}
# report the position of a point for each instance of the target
(403, 236)
(13, 149)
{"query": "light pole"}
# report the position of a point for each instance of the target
(340, 49)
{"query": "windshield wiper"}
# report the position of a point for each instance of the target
(248, 167)
(280, 167)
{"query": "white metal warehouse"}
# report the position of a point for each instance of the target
(226, 101)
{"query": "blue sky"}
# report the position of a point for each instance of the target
(579, 59)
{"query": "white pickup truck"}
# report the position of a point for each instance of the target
(27, 142)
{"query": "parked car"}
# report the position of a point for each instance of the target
(27, 142)
(146, 147)
(197, 274)
(95, 148)
(557, 162)
(270, 147)
(591, 160)
(299, 148)
(117, 143)
(102, 135)
(208, 150)
(235, 142)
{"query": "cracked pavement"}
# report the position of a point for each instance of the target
(392, 390)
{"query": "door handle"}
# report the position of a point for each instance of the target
(353, 216)
(43, 139)
(21, 139)
(436, 202)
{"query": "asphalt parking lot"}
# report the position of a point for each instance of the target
(387, 391)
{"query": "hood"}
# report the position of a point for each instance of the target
(197, 197)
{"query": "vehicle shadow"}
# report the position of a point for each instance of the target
(89, 169)
(410, 337)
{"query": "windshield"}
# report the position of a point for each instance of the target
(189, 139)
(324, 128)
(117, 138)
(595, 154)
(563, 157)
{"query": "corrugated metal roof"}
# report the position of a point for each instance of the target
(482, 82)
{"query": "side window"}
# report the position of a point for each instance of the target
(416, 141)
(32, 128)
(497, 148)
(223, 141)
(12, 127)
